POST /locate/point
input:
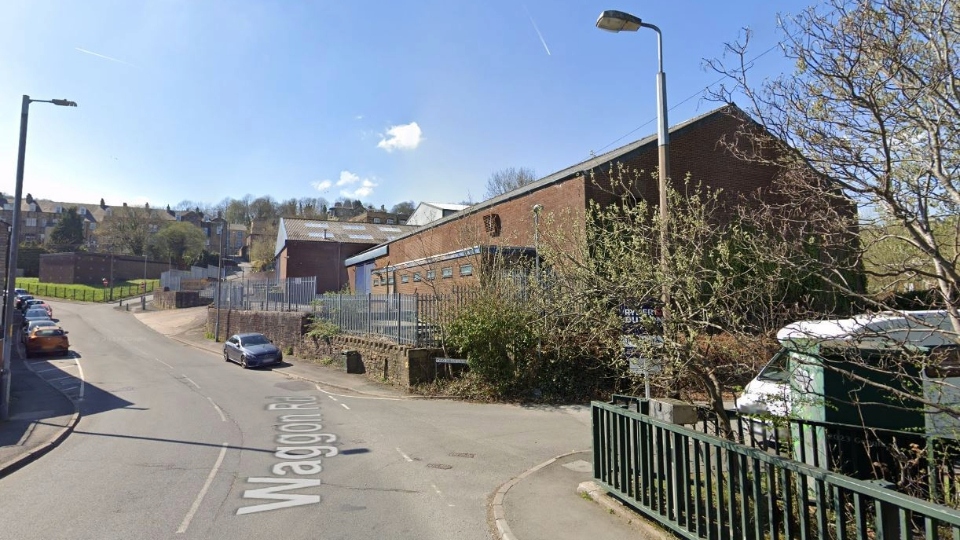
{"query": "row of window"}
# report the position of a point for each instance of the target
(386, 278)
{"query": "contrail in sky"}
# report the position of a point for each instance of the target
(105, 57)
(537, 29)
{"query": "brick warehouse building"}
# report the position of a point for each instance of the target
(444, 253)
(312, 247)
(92, 268)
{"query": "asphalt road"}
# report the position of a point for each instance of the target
(176, 443)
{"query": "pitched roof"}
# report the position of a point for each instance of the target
(583, 166)
(447, 206)
(346, 232)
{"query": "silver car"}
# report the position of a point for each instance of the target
(251, 350)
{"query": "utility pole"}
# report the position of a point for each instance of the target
(219, 280)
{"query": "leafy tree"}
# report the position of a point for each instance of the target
(263, 208)
(67, 235)
(238, 210)
(128, 229)
(263, 246)
(873, 106)
(405, 207)
(180, 242)
(509, 179)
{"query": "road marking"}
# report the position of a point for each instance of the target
(357, 397)
(83, 380)
(203, 491)
(48, 369)
(164, 363)
(61, 378)
(344, 405)
(435, 488)
(191, 382)
(333, 398)
(406, 457)
(70, 387)
(219, 411)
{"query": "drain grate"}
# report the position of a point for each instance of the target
(442, 466)
(462, 454)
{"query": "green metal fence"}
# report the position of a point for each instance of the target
(88, 294)
(702, 486)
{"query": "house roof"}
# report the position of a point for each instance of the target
(446, 206)
(563, 174)
(345, 232)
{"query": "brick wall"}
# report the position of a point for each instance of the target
(321, 259)
(91, 268)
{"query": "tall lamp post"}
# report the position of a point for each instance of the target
(617, 21)
(8, 330)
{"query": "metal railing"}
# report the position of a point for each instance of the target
(702, 486)
(388, 315)
(291, 294)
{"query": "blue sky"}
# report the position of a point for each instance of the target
(384, 101)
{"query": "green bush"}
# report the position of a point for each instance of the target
(497, 338)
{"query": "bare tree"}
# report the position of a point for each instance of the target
(128, 229)
(873, 106)
(509, 179)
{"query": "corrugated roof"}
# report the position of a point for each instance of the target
(341, 231)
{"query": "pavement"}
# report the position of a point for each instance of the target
(555, 500)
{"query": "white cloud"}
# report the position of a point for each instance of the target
(348, 178)
(322, 186)
(365, 189)
(402, 137)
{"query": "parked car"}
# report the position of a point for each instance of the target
(38, 303)
(21, 298)
(35, 314)
(47, 340)
(251, 350)
(34, 324)
(18, 291)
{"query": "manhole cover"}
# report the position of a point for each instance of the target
(462, 454)
(439, 466)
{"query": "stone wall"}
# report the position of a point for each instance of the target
(178, 299)
(382, 360)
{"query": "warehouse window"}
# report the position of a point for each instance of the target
(446, 272)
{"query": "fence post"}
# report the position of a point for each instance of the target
(369, 314)
(399, 319)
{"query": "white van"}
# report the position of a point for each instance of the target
(788, 382)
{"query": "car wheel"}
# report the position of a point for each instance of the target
(226, 357)
(243, 362)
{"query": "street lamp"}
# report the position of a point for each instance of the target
(8, 330)
(618, 21)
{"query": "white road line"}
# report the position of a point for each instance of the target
(83, 380)
(344, 405)
(191, 382)
(435, 488)
(357, 397)
(203, 491)
(219, 411)
(406, 457)
(164, 363)
(333, 398)
(48, 369)
(70, 387)
(62, 378)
